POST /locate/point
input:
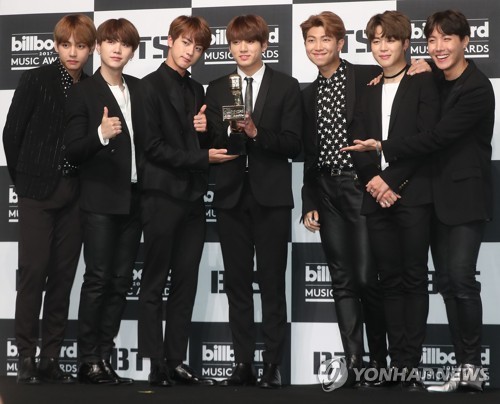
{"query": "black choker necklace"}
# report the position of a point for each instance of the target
(396, 75)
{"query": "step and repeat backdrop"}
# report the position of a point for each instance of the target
(313, 336)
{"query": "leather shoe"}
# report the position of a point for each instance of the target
(106, 366)
(243, 375)
(369, 380)
(50, 371)
(158, 376)
(411, 381)
(271, 377)
(93, 373)
(353, 363)
(183, 374)
(27, 372)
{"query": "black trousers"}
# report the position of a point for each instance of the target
(174, 235)
(110, 244)
(400, 238)
(249, 230)
(49, 249)
(455, 250)
(356, 290)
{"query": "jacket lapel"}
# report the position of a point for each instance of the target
(261, 97)
(404, 84)
(377, 106)
(175, 96)
(109, 99)
(456, 90)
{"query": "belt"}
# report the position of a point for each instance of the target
(336, 172)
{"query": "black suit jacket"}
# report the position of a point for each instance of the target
(277, 116)
(358, 77)
(104, 170)
(415, 109)
(33, 133)
(461, 177)
(174, 162)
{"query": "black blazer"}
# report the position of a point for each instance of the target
(415, 109)
(277, 116)
(104, 170)
(173, 161)
(461, 176)
(33, 133)
(358, 77)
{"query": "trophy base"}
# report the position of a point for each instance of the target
(237, 144)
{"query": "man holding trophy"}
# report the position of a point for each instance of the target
(253, 193)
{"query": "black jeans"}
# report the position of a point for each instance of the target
(356, 290)
(399, 238)
(454, 251)
(110, 244)
(50, 241)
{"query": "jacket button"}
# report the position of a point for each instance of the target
(112, 150)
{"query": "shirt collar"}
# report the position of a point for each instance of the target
(65, 77)
(175, 74)
(257, 76)
(340, 70)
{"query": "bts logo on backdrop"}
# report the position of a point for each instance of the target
(479, 46)
(153, 47)
(321, 356)
(318, 283)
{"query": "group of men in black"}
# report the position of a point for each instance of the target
(390, 169)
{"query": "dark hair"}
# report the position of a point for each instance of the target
(394, 24)
(196, 28)
(331, 22)
(249, 27)
(449, 22)
(79, 25)
(119, 30)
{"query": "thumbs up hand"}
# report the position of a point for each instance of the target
(200, 120)
(110, 126)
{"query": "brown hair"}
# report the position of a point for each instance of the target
(331, 22)
(119, 30)
(249, 27)
(79, 25)
(196, 28)
(449, 22)
(394, 25)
